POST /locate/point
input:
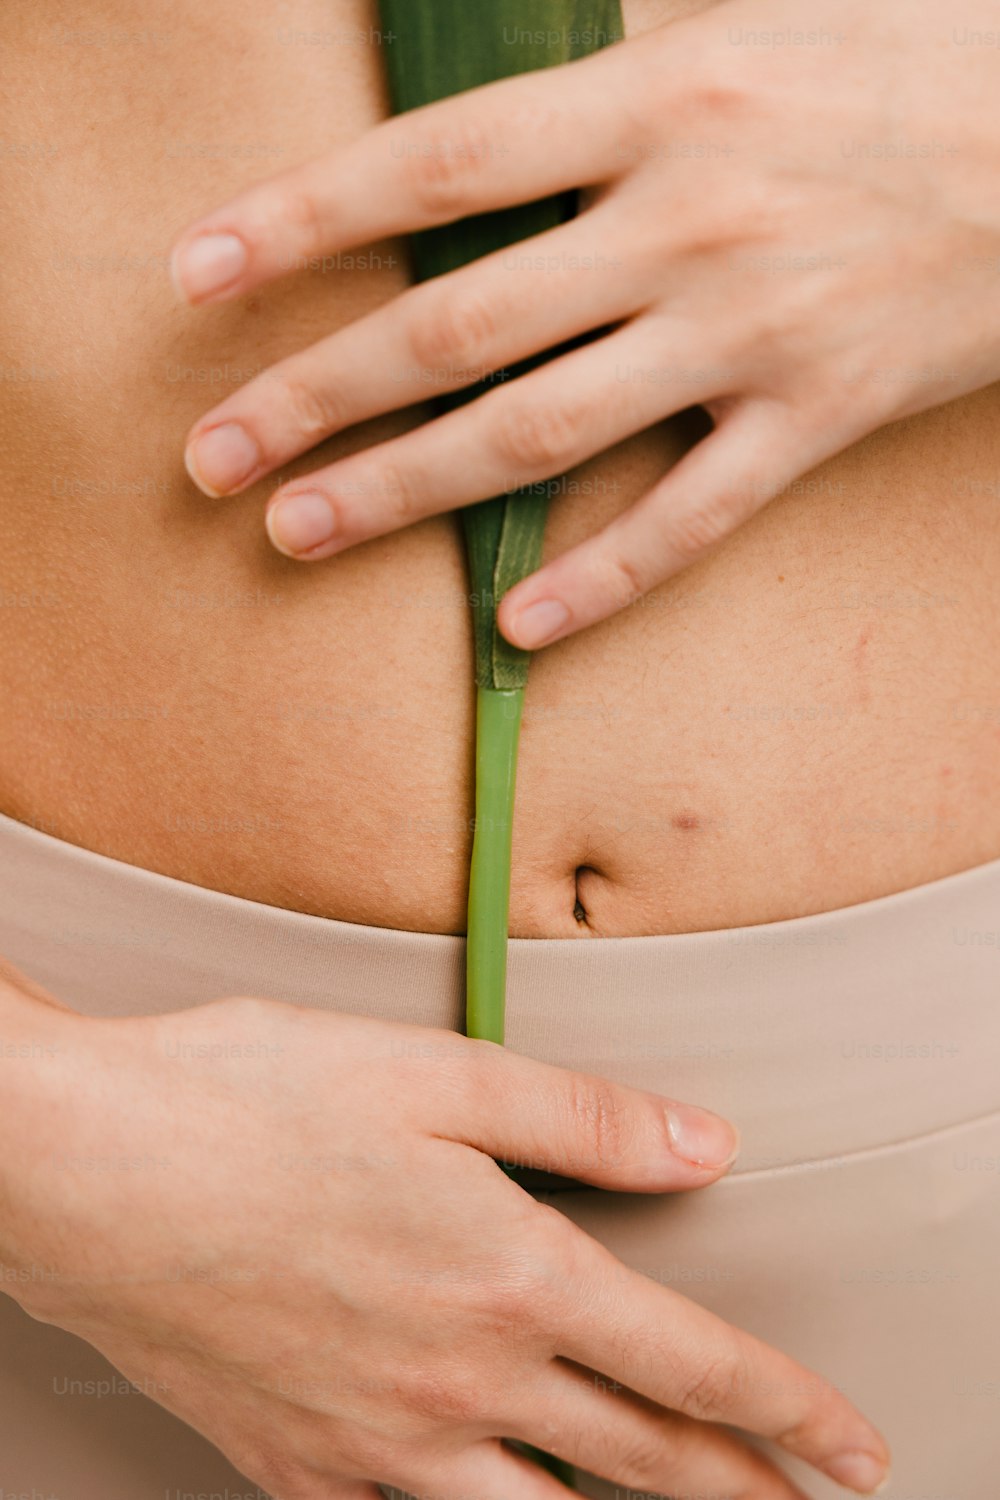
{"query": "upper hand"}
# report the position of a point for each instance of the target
(804, 239)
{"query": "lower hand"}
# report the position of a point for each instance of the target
(319, 1265)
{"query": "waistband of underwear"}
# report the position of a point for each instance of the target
(821, 1037)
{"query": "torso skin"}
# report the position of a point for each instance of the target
(808, 719)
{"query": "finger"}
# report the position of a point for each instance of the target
(464, 155)
(608, 1430)
(543, 424)
(532, 1115)
(488, 1470)
(444, 335)
(753, 455)
(660, 1345)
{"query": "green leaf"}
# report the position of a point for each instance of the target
(443, 47)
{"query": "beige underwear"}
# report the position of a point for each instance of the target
(858, 1052)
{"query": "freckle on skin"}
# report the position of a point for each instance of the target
(686, 820)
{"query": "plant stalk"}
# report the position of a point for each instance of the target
(437, 48)
(556, 1466)
(498, 726)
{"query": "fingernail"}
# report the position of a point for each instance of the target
(539, 622)
(221, 458)
(701, 1138)
(207, 264)
(300, 522)
(859, 1471)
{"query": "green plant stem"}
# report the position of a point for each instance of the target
(556, 1466)
(498, 731)
(498, 725)
(438, 48)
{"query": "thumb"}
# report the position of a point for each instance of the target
(529, 1114)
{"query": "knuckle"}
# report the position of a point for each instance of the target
(644, 1457)
(724, 95)
(626, 581)
(314, 412)
(512, 1311)
(539, 438)
(693, 532)
(393, 489)
(746, 220)
(527, 1299)
(550, 1274)
(715, 86)
(445, 166)
(448, 1397)
(299, 209)
(514, 1296)
(599, 1119)
(715, 1389)
(376, 498)
(452, 329)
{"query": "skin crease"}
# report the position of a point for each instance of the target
(302, 735)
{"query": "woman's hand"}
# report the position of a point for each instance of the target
(795, 225)
(300, 1243)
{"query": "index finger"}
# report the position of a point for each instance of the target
(660, 1345)
(513, 141)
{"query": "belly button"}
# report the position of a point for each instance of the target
(579, 910)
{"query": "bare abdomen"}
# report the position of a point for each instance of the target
(808, 719)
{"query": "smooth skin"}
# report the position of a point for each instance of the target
(866, 161)
(352, 1291)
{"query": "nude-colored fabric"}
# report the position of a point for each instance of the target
(858, 1051)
